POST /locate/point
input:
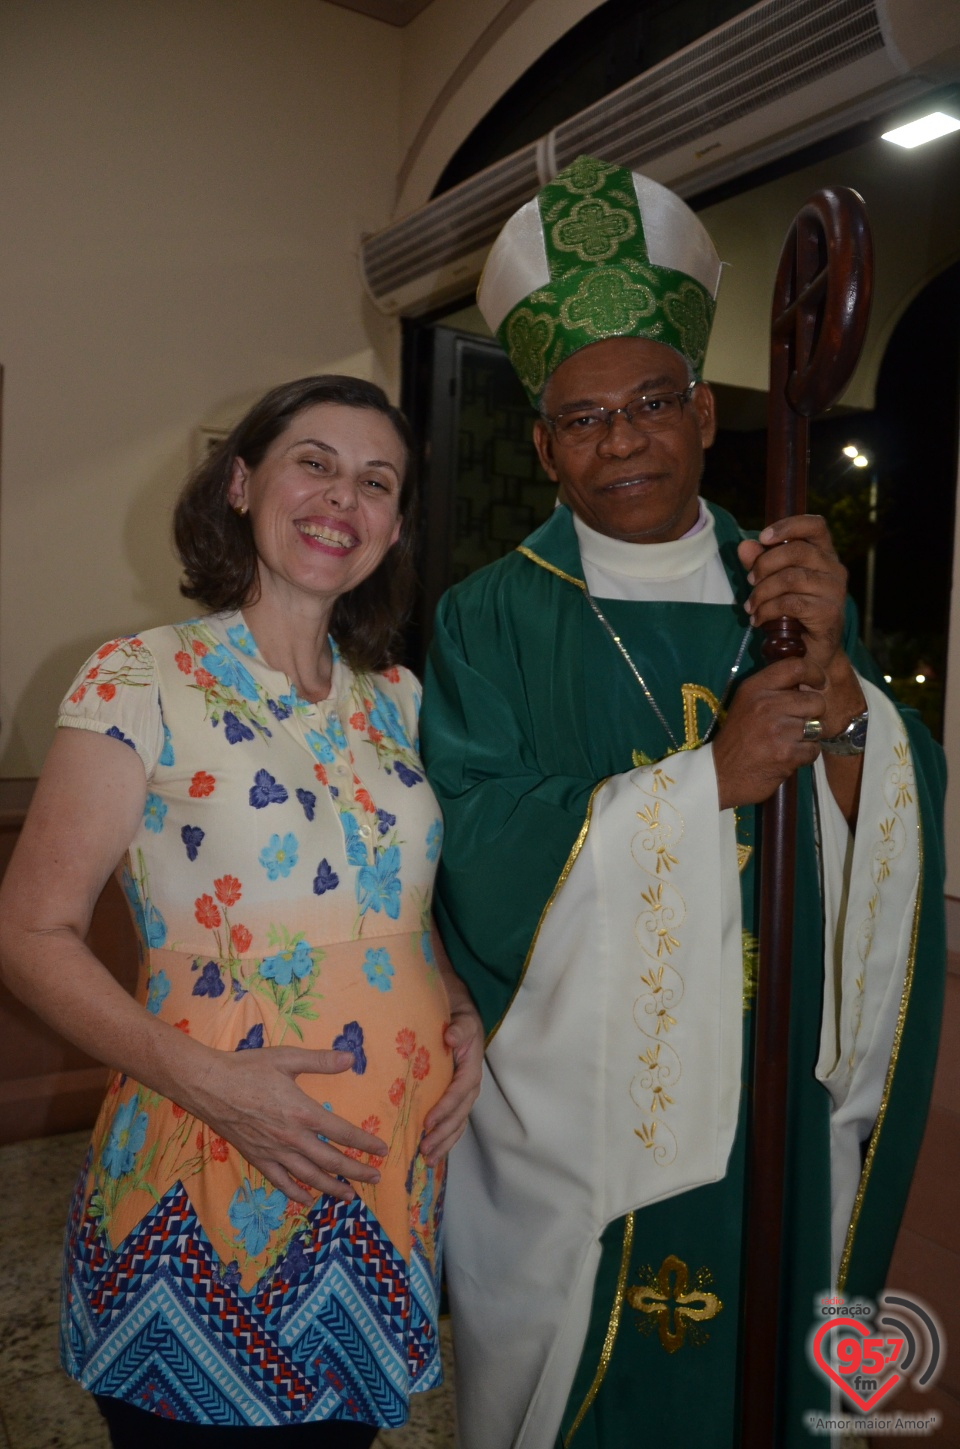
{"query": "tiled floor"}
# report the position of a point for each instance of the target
(40, 1408)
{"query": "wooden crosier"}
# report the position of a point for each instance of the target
(821, 302)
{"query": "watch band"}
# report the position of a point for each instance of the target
(851, 741)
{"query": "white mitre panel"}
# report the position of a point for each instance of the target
(674, 235)
(516, 266)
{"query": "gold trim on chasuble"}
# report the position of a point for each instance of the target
(888, 1083)
(575, 850)
(550, 568)
(610, 1337)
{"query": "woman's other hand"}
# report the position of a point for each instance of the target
(444, 1123)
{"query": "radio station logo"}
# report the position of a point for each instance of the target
(869, 1352)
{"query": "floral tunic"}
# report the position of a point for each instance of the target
(280, 883)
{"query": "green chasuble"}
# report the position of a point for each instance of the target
(528, 707)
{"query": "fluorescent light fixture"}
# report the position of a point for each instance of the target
(860, 461)
(928, 128)
(851, 450)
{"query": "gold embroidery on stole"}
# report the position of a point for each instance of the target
(662, 1300)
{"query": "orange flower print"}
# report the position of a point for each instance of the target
(177, 1111)
(219, 1150)
(396, 1093)
(320, 773)
(183, 1026)
(198, 648)
(406, 1041)
(202, 784)
(362, 797)
(92, 673)
(200, 1140)
(184, 662)
(370, 1124)
(358, 721)
(374, 736)
(393, 674)
(78, 694)
(106, 649)
(206, 912)
(241, 939)
(136, 642)
(228, 889)
(421, 1064)
(106, 691)
(205, 679)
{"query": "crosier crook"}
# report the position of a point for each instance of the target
(821, 303)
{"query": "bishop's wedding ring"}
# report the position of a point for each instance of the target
(812, 731)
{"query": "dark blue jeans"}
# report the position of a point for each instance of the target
(132, 1428)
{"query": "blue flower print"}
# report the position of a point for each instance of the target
(434, 840)
(255, 1213)
(309, 802)
(408, 776)
(234, 729)
(230, 1274)
(153, 812)
(384, 821)
(192, 837)
(239, 992)
(385, 717)
(228, 671)
(278, 708)
(210, 982)
(126, 1138)
(281, 968)
(278, 857)
(115, 734)
(378, 885)
(378, 969)
(158, 989)
(321, 747)
(356, 850)
(150, 925)
(166, 754)
(253, 1039)
(265, 791)
(426, 946)
(241, 638)
(351, 1040)
(326, 878)
(335, 733)
(295, 1262)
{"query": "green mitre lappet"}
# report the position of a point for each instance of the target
(599, 252)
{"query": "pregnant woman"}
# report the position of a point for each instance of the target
(253, 1246)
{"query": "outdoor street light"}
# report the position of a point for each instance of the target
(863, 460)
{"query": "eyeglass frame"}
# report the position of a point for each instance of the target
(569, 441)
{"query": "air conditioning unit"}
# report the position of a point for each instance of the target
(783, 74)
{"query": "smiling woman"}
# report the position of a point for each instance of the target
(214, 532)
(300, 1056)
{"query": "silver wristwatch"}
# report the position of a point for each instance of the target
(851, 741)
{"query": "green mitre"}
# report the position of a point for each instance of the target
(599, 252)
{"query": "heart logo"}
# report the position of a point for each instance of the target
(864, 1404)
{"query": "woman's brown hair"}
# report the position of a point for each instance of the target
(216, 545)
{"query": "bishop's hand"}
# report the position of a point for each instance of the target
(795, 571)
(761, 744)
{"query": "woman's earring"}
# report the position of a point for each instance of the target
(240, 509)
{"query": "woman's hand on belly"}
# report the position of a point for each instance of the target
(444, 1124)
(253, 1100)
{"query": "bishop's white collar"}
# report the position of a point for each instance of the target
(674, 560)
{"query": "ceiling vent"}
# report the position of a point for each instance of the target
(782, 74)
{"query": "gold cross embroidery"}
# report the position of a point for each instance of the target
(668, 1301)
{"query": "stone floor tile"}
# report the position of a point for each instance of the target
(50, 1411)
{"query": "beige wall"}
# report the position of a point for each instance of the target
(749, 231)
(182, 189)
